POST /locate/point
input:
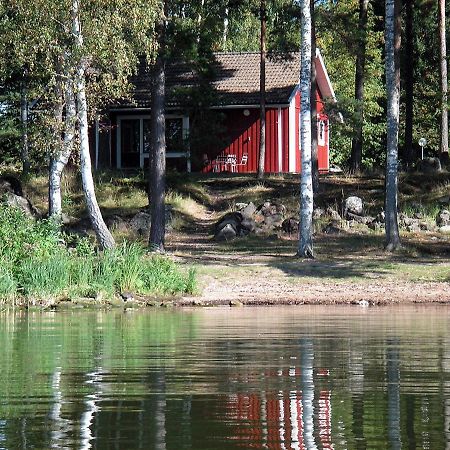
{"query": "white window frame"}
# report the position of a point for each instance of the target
(142, 155)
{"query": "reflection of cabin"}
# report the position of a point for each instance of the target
(124, 141)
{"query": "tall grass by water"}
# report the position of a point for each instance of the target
(38, 262)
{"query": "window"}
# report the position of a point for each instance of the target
(321, 130)
(134, 140)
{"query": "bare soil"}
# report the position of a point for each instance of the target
(349, 268)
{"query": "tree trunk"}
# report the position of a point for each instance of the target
(357, 141)
(101, 230)
(25, 154)
(409, 82)
(305, 248)
(392, 38)
(314, 149)
(59, 160)
(158, 151)
(444, 87)
(262, 92)
(225, 29)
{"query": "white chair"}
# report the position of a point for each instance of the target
(243, 162)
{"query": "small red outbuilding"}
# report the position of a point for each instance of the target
(124, 140)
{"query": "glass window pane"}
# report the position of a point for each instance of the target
(130, 142)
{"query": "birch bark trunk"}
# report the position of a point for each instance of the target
(262, 93)
(314, 143)
(104, 236)
(444, 86)
(59, 160)
(25, 153)
(305, 248)
(392, 38)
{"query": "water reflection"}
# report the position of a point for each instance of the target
(300, 378)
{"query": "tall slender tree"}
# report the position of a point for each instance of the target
(444, 81)
(409, 81)
(357, 141)
(392, 38)
(314, 143)
(157, 175)
(305, 247)
(262, 92)
(101, 230)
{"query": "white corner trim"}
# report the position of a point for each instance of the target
(292, 149)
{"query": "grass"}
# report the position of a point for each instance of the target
(38, 262)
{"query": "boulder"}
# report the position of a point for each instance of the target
(273, 220)
(333, 213)
(116, 223)
(429, 165)
(140, 223)
(10, 184)
(248, 225)
(445, 229)
(17, 201)
(443, 218)
(226, 233)
(353, 205)
(332, 228)
(360, 219)
(318, 213)
(248, 210)
(290, 225)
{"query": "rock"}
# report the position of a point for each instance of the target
(248, 211)
(116, 223)
(233, 218)
(414, 227)
(375, 225)
(333, 213)
(226, 233)
(353, 205)
(290, 225)
(332, 228)
(140, 223)
(318, 213)
(126, 296)
(249, 225)
(443, 218)
(444, 200)
(273, 220)
(429, 165)
(381, 216)
(236, 303)
(445, 229)
(9, 183)
(16, 201)
(360, 219)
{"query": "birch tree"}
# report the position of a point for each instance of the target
(305, 247)
(392, 67)
(104, 236)
(444, 86)
(262, 92)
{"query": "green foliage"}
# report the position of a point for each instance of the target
(38, 261)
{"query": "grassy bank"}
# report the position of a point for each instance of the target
(39, 264)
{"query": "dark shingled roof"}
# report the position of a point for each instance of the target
(236, 80)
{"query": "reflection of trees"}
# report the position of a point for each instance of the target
(307, 385)
(393, 392)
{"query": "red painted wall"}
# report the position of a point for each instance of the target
(242, 136)
(322, 150)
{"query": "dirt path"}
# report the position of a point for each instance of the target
(349, 269)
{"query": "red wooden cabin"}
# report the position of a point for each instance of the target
(124, 140)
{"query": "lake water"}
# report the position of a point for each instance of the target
(274, 378)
